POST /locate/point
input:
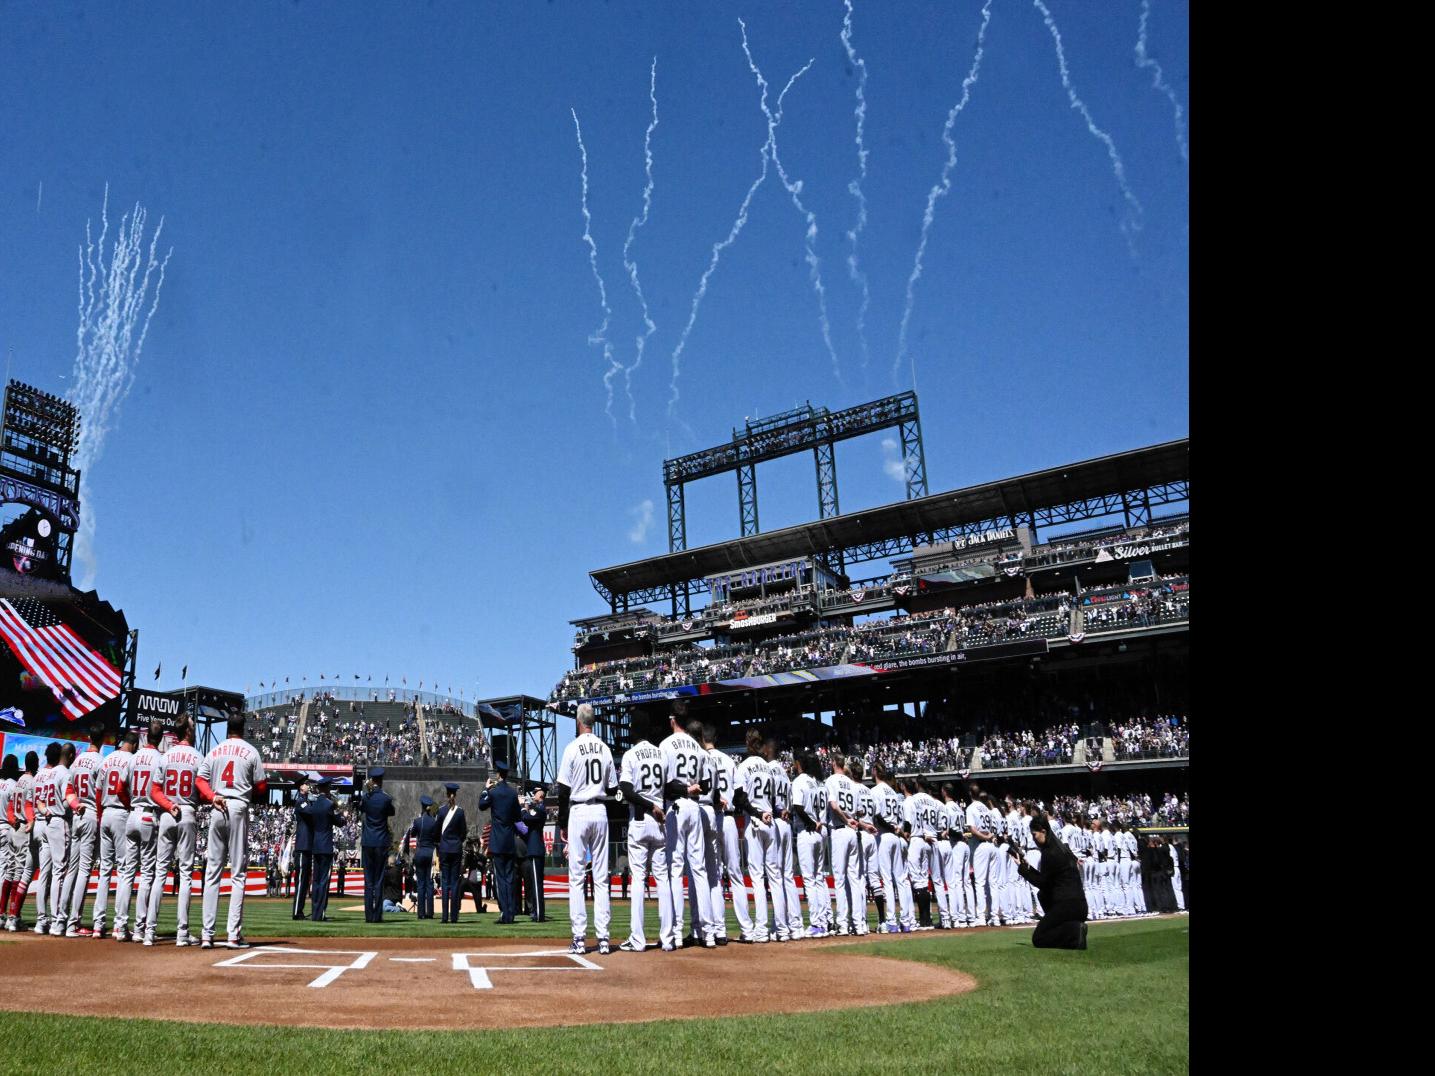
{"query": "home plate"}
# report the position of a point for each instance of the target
(551, 960)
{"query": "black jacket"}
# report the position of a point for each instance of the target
(1057, 878)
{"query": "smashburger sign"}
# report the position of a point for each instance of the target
(743, 622)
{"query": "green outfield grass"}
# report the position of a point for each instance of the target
(1119, 1007)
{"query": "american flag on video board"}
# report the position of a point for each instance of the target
(47, 647)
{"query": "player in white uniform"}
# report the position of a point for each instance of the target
(920, 814)
(1032, 857)
(846, 867)
(1176, 878)
(980, 824)
(641, 782)
(230, 777)
(754, 798)
(726, 846)
(114, 781)
(55, 838)
(708, 810)
(786, 853)
(84, 831)
(891, 861)
(1016, 902)
(147, 802)
(179, 778)
(952, 860)
(686, 776)
(809, 808)
(9, 774)
(867, 837)
(585, 780)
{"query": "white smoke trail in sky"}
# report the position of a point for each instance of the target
(723, 244)
(855, 187)
(939, 190)
(110, 337)
(628, 263)
(599, 337)
(1131, 223)
(1158, 81)
(794, 188)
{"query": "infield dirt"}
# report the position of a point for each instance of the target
(428, 982)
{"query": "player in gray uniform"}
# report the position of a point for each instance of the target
(9, 774)
(786, 853)
(641, 782)
(726, 841)
(84, 831)
(147, 801)
(54, 839)
(809, 808)
(230, 777)
(178, 828)
(114, 779)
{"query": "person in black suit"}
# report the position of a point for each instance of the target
(319, 810)
(452, 829)
(533, 817)
(500, 799)
(1059, 886)
(303, 849)
(424, 835)
(376, 807)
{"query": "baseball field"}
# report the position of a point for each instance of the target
(348, 996)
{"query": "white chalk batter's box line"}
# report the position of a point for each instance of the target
(477, 974)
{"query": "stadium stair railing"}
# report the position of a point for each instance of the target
(296, 749)
(419, 709)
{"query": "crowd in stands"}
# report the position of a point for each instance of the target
(331, 735)
(1166, 736)
(1137, 809)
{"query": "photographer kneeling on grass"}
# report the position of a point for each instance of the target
(1058, 883)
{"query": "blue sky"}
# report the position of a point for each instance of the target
(367, 433)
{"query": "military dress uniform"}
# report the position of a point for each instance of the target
(424, 834)
(452, 830)
(533, 817)
(375, 808)
(303, 866)
(502, 801)
(320, 811)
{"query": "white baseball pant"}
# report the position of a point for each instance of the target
(648, 855)
(814, 879)
(762, 864)
(871, 869)
(959, 886)
(730, 852)
(786, 859)
(1033, 859)
(941, 882)
(84, 827)
(228, 842)
(588, 833)
(112, 854)
(848, 881)
(982, 881)
(716, 926)
(175, 848)
(684, 832)
(892, 869)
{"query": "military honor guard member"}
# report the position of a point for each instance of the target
(376, 807)
(452, 829)
(423, 834)
(320, 810)
(501, 800)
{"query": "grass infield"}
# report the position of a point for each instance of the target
(1119, 1007)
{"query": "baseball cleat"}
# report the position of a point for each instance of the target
(630, 947)
(10, 923)
(207, 943)
(73, 932)
(183, 941)
(816, 932)
(603, 949)
(120, 936)
(238, 943)
(57, 931)
(710, 943)
(149, 942)
(579, 947)
(746, 938)
(669, 947)
(42, 928)
(862, 932)
(722, 939)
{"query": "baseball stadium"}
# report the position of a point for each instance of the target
(875, 780)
